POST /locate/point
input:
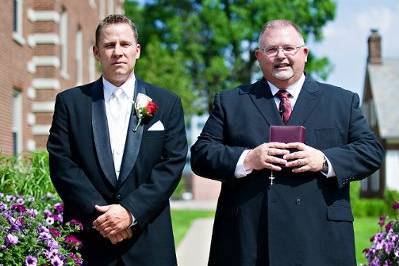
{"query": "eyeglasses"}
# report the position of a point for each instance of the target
(287, 50)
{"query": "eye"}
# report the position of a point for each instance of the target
(271, 50)
(289, 48)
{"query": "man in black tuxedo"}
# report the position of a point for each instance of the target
(305, 217)
(117, 147)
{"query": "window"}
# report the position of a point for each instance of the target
(64, 43)
(372, 186)
(79, 57)
(17, 122)
(110, 6)
(92, 64)
(18, 21)
(101, 9)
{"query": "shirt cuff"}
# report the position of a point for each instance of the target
(240, 168)
(134, 221)
(330, 172)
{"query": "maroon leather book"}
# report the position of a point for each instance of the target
(287, 134)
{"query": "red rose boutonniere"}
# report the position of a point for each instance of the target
(145, 108)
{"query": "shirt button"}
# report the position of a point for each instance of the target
(298, 201)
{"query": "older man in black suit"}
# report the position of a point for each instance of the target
(117, 147)
(305, 217)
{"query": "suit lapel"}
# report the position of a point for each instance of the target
(133, 139)
(263, 99)
(307, 100)
(101, 133)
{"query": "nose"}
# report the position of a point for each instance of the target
(280, 52)
(118, 50)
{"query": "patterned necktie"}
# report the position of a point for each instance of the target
(285, 108)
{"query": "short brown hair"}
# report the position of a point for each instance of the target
(115, 19)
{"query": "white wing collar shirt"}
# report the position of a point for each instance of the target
(118, 106)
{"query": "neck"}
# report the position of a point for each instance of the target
(118, 81)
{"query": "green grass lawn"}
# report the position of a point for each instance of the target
(365, 227)
(182, 219)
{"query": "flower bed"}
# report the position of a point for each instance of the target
(32, 232)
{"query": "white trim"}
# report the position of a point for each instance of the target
(34, 16)
(18, 38)
(92, 4)
(43, 38)
(31, 92)
(41, 129)
(45, 84)
(63, 38)
(31, 119)
(30, 145)
(45, 107)
(42, 61)
(46, 61)
(31, 67)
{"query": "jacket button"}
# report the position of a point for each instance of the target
(118, 197)
(298, 201)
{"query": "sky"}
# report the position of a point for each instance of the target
(345, 39)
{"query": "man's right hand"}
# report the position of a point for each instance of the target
(263, 156)
(123, 235)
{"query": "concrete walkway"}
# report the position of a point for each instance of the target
(194, 248)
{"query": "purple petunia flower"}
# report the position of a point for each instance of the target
(30, 261)
(395, 205)
(54, 232)
(11, 240)
(381, 222)
(49, 220)
(78, 260)
(76, 222)
(72, 240)
(56, 261)
(59, 207)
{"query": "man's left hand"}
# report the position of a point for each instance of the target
(304, 159)
(113, 221)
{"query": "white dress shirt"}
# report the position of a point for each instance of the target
(118, 116)
(294, 91)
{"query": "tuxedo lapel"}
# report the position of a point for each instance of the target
(263, 99)
(307, 100)
(133, 138)
(101, 133)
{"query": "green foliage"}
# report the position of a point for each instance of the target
(364, 227)
(28, 175)
(364, 207)
(197, 48)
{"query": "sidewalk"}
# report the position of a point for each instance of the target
(194, 248)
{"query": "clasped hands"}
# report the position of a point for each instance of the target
(276, 155)
(114, 223)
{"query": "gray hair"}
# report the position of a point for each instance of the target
(279, 23)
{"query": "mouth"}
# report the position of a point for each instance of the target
(282, 66)
(118, 63)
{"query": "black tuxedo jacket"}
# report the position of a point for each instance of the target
(82, 170)
(302, 219)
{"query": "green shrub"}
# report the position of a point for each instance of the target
(28, 175)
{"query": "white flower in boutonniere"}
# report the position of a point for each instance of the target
(145, 108)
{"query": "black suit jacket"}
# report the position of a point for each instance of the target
(82, 170)
(303, 219)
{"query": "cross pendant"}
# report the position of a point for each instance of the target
(271, 177)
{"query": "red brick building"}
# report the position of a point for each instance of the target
(45, 47)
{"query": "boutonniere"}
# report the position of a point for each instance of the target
(145, 108)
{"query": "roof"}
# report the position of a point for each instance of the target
(384, 84)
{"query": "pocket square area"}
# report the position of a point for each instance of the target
(157, 126)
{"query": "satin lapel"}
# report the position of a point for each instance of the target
(307, 100)
(263, 99)
(133, 139)
(101, 133)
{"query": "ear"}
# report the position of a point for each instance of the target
(96, 52)
(138, 50)
(306, 53)
(258, 54)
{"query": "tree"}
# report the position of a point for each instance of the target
(213, 42)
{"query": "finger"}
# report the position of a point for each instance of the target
(102, 208)
(296, 145)
(295, 155)
(275, 151)
(272, 167)
(278, 145)
(301, 169)
(297, 163)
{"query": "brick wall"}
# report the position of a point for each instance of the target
(33, 65)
